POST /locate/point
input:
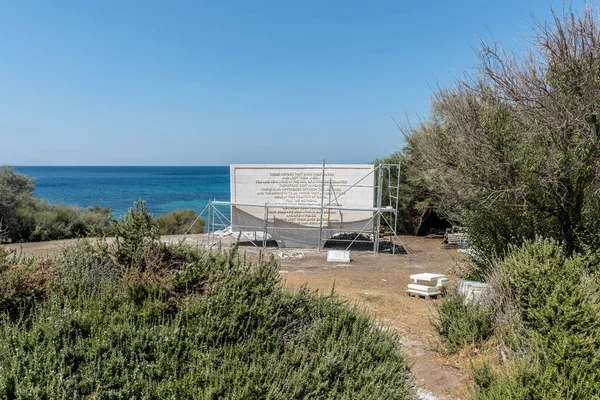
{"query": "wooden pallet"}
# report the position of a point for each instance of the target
(424, 296)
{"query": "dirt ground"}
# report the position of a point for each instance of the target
(378, 282)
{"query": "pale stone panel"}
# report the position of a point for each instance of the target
(301, 184)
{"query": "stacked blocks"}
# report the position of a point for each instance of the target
(427, 284)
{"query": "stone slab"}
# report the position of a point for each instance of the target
(422, 289)
(338, 256)
(426, 276)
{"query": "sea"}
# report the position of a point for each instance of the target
(164, 189)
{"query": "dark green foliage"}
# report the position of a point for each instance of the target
(15, 191)
(414, 198)
(24, 218)
(43, 221)
(482, 376)
(588, 237)
(553, 292)
(549, 309)
(15, 188)
(178, 222)
(491, 232)
(98, 221)
(512, 151)
(155, 321)
(461, 323)
(134, 232)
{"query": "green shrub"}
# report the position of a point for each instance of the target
(549, 315)
(22, 285)
(553, 293)
(482, 375)
(199, 324)
(134, 233)
(15, 193)
(460, 322)
(42, 221)
(24, 218)
(98, 221)
(84, 269)
(178, 222)
(492, 231)
(54, 222)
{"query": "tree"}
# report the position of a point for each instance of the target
(15, 190)
(523, 136)
(414, 199)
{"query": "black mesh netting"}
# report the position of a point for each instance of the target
(296, 235)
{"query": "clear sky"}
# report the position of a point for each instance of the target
(220, 82)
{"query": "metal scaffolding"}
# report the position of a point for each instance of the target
(387, 184)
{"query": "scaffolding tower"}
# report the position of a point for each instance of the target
(260, 230)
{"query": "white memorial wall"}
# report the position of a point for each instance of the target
(301, 185)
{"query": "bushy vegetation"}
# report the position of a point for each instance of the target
(179, 222)
(544, 312)
(108, 320)
(461, 322)
(511, 152)
(512, 155)
(25, 218)
(548, 317)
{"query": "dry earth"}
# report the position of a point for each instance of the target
(378, 282)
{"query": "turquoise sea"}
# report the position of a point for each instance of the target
(163, 188)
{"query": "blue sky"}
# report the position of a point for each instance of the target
(214, 83)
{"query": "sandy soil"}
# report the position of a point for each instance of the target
(378, 282)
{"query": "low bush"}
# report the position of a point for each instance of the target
(548, 316)
(23, 218)
(115, 321)
(179, 222)
(22, 282)
(460, 322)
(134, 233)
(42, 221)
(482, 375)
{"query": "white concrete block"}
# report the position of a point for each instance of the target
(427, 277)
(424, 290)
(338, 256)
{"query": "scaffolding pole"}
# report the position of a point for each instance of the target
(322, 204)
(396, 209)
(379, 194)
(265, 226)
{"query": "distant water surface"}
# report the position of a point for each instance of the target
(163, 188)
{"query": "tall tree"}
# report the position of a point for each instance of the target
(523, 135)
